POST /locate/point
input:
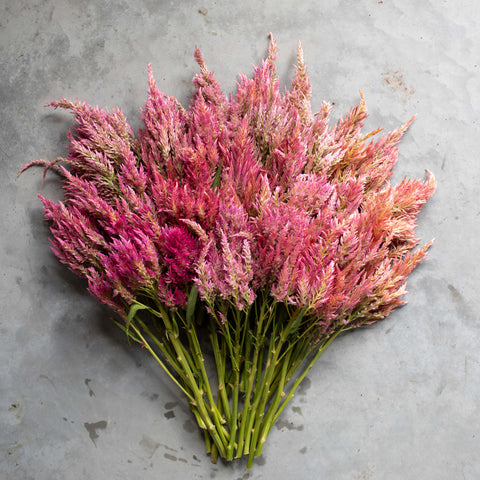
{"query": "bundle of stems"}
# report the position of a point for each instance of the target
(246, 224)
(257, 352)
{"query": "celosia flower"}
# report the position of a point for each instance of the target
(247, 218)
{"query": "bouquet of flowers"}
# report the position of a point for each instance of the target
(245, 222)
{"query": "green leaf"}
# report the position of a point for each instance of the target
(191, 303)
(127, 332)
(298, 319)
(133, 311)
(218, 177)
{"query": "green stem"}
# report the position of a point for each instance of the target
(220, 360)
(260, 375)
(200, 366)
(155, 356)
(236, 364)
(297, 382)
(297, 351)
(262, 396)
(280, 408)
(258, 350)
(141, 339)
(208, 443)
(272, 370)
(214, 453)
(163, 348)
(199, 402)
(268, 420)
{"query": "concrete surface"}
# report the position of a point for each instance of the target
(399, 400)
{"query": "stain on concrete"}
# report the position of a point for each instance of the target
(170, 414)
(297, 410)
(93, 427)
(170, 405)
(395, 82)
(245, 476)
(91, 393)
(282, 424)
(173, 458)
(388, 330)
(305, 384)
(14, 450)
(454, 292)
(151, 396)
(166, 447)
(189, 426)
(365, 474)
(303, 450)
(461, 303)
(149, 445)
(17, 409)
(49, 380)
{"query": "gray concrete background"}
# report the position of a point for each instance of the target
(399, 400)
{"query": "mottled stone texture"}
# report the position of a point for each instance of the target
(395, 401)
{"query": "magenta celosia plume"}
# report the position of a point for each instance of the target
(249, 200)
